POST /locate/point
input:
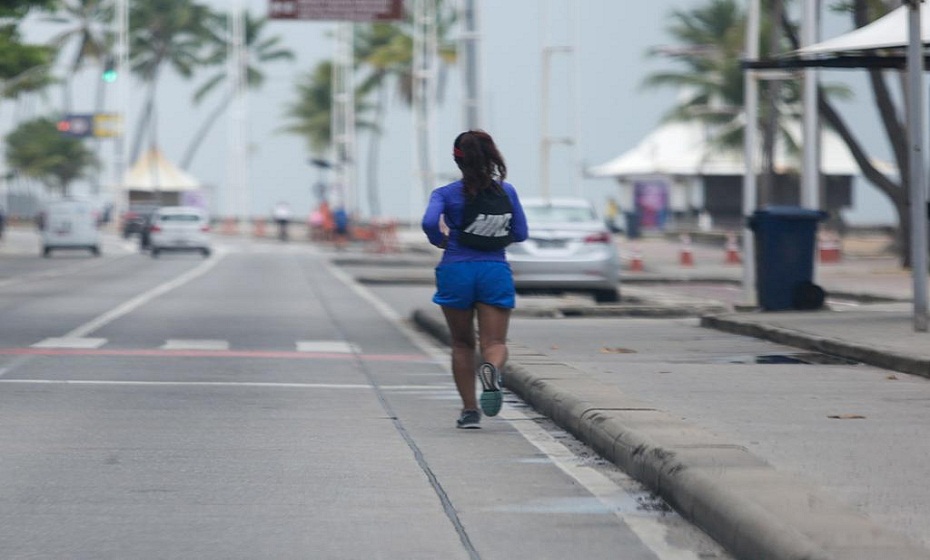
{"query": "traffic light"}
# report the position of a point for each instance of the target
(76, 126)
(109, 70)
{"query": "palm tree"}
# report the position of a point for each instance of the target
(259, 51)
(311, 114)
(386, 51)
(35, 149)
(88, 22)
(165, 32)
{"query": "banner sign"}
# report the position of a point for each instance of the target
(336, 10)
(651, 200)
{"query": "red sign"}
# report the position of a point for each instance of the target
(336, 10)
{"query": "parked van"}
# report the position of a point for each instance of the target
(70, 224)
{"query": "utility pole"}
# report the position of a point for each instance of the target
(471, 64)
(425, 43)
(122, 105)
(238, 168)
(343, 117)
(810, 179)
(750, 150)
(916, 165)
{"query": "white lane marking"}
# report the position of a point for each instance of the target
(71, 342)
(194, 344)
(650, 530)
(145, 297)
(242, 384)
(327, 346)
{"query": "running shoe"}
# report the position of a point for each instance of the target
(470, 419)
(491, 396)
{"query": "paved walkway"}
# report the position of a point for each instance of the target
(754, 509)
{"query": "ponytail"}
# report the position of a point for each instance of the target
(479, 160)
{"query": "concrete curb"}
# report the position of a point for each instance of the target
(885, 359)
(752, 510)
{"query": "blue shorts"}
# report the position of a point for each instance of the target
(462, 284)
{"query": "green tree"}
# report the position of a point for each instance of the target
(170, 33)
(88, 23)
(23, 67)
(260, 50)
(36, 150)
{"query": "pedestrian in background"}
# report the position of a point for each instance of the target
(476, 282)
(282, 216)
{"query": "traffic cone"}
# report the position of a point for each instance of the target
(686, 257)
(636, 262)
(732, 249)
(829, 249)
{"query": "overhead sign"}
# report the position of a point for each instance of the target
(336, 10)
(87, 125)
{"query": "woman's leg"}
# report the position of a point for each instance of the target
(492, 333)
(462, 328)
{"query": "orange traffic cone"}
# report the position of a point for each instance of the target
(636, 262)
(829, 249)
(732, 249)
(686, 257)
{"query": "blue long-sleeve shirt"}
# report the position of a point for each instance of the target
(449, 200)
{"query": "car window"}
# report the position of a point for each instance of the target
(558, 214)
(178, 218)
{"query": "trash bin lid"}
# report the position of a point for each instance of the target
(789, 213)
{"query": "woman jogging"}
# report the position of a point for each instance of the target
(481, 214)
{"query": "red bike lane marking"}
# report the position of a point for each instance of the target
(253, 354)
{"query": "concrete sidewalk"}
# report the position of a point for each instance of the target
(753, 509)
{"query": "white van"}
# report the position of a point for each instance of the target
(70, 224)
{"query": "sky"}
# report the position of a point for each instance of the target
(610, 40)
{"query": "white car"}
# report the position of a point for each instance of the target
(70, 224)
(179, 228)
(569, 249)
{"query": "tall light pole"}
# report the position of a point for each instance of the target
(810, 180)
(343, 117)
(122, 102)
(916, 165)
(750, 149)
(425, 43)
(238, 168)
(471, 64)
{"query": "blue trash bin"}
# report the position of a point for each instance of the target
(784, 244)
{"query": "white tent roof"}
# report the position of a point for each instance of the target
(153, 172)
(888, 31)
(684, 148)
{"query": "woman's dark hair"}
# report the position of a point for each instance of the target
(480, 161)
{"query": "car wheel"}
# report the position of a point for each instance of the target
(206, 252)
(155, 253)
(606, 296)
(95, 251)
(46, 251)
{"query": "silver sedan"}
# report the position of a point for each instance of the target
(569, 249)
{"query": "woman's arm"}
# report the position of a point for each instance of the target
(430, 223)
(518, 227)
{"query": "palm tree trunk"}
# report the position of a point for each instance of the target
(201, 133)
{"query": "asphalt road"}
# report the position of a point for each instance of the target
(261, 404)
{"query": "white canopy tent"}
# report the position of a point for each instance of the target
(686, 149)
(153, 172)
(887, 32)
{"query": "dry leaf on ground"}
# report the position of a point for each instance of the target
(846, 416)
(608, 350)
